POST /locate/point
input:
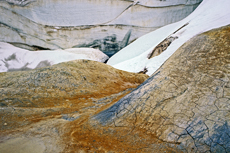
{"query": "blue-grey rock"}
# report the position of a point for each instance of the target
(186, 101)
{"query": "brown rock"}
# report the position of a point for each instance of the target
(38, 105)
(184, 104)
(182, 107)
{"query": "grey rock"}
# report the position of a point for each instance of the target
(185, 102)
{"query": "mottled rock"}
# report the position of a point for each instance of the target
(162, 46)
(78, 79)
(36, 106)
(64, 85)
(182, 107)
(186, 101)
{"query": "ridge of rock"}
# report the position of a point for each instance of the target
(186, 101)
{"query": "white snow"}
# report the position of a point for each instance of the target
(210, 14)
(14, 58)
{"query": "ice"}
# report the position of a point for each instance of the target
(13, 58)
(208, 15)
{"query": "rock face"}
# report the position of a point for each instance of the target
(186, 102)
(56, 24)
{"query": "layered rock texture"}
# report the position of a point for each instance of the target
(103, 24)
(69, 107)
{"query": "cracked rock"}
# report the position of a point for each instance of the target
(185, 102)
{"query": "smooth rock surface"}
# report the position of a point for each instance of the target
(22, 145)
(55, 24)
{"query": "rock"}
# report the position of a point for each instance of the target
(37, 105)
(184, 103)
(23, 145)
(85, 106)
(77, 79)
(58, 24)
(162, 46)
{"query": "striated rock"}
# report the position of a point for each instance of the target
(127, 12)
(184, 103)
(61, 24)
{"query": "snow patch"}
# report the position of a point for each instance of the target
(134, 58)
(14, 58)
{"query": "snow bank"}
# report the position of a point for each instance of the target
(134, 58)
(13, 58)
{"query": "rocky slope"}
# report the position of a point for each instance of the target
(182, 107)
(184, 103)
(36, 105)
(103, 24)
